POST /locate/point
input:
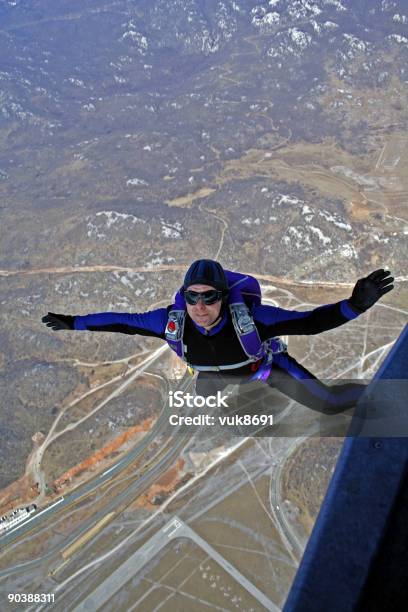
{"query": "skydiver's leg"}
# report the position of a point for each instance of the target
(295, 381)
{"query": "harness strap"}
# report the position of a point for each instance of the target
(232, 366)
(274, 346)
(174, 331)
(246, 331)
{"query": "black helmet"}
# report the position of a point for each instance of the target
(206, 272)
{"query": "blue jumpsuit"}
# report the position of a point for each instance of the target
(220, 346)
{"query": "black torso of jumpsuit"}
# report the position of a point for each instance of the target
(220, 349)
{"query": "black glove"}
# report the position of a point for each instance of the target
(58, 321)
(370, 289)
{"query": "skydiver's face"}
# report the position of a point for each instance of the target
(202, 314)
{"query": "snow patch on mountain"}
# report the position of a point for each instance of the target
(293, 41)
(397, 18)
(320, 235)
(401, 40)
(225, 22)
(335, 219)
(266, 21)
(303, 9)
(348, 251)
(300, 38)
(134, 182)
(105, 219)
(288, 199)
(355, 43)
(336, 4)
(330, 25)
(248, 221)
(295, 237)
(173, 231)
(136, 38)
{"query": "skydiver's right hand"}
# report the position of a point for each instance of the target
(58, 321)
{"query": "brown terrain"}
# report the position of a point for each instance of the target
(306, 477)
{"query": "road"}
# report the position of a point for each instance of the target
(175, 528)
(159, 428)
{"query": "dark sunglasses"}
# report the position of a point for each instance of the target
(208, 297)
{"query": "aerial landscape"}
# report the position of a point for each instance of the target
(137, 136)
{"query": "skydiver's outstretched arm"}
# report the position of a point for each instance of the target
(366, 293)
(273, 321)
(151, 323)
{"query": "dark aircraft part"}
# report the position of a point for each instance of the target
(356, 558)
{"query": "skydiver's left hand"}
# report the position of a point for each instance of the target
(370, 289)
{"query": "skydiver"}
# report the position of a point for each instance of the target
(219, 327)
